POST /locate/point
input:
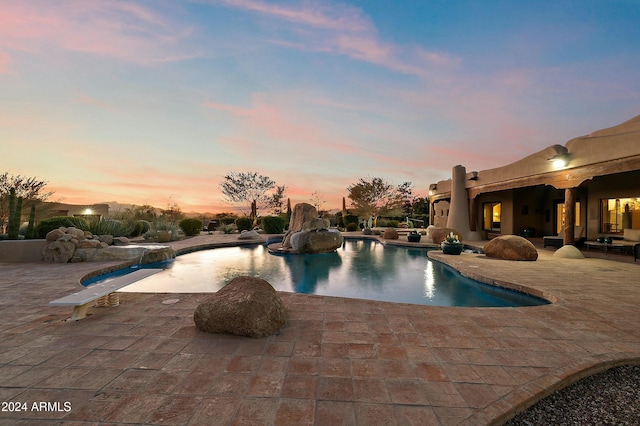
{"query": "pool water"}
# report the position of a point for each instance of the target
(362, 269)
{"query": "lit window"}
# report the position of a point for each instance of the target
(492, 213)
(618, 214)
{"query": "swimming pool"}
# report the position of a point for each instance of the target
(362, 269)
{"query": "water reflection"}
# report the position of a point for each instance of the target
(362, 269)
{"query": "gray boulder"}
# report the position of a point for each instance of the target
(302, 213)
(247, 306)
(249, 235)
(319, 241)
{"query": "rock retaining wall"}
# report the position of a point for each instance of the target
(75, 245)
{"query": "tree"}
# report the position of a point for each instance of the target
(247, 188)
(275, 200)
(405, 192)
(173, 213)
(317, 200)
(376, 197)
(31, 189)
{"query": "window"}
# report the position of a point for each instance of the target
(618, 214)
(560, 215)
(491, 216)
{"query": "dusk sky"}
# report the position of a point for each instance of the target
(152, 102)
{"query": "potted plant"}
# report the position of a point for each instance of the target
(451, 244)
(413, 237)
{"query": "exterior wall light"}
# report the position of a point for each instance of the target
(559, 161)
(558, 156)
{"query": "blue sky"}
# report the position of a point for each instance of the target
(152, 102)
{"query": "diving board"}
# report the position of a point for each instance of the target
(81, 299)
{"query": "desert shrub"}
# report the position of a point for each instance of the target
(191, 226)
(227, 220)
(139, 227)
(352, 227)
(273, 224)
(162, 225)
(109, 227)
(47, 225)
(244, 223)
(227, 228)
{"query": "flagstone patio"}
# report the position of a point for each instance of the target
(337, 361)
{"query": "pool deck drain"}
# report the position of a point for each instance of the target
(337, 361)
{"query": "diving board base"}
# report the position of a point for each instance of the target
(82, 299)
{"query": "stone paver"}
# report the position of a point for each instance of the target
(337, 361)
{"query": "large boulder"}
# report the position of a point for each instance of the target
(147, 253)
(316, 241)
(511, 247)
(54, 235)
(302, 213)
(390, 234)
(58, 251)
(568, 252)
(439, 234)
(249, 235)
(316, 224)
(247, 306)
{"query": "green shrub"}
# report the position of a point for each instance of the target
(227, 220)
(227, 228)
(273, 224)
(47, 225)
(191, 226)
(352, 227)
(244, 223)
(350, 218)
(387, 223)
(109, 227)
(139, 227)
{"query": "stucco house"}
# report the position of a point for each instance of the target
(590, 187)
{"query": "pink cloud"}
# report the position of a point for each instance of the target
(345, 30)
(336, 17)
(114, 29)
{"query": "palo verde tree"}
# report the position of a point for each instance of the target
(30, 189)
(376, 197)
(247, 189)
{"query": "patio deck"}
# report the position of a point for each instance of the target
(337, 361)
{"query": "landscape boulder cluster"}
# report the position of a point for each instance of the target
(71, 244)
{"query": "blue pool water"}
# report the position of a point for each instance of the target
(362, 269)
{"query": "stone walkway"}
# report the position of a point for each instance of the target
(337, 361)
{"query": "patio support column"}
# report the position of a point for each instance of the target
(473, 214)
(458, 218)
(569, 216)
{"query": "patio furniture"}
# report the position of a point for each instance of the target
(81, 299)
(605, 246)
(558, 240)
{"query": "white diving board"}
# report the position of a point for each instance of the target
(81, 299)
